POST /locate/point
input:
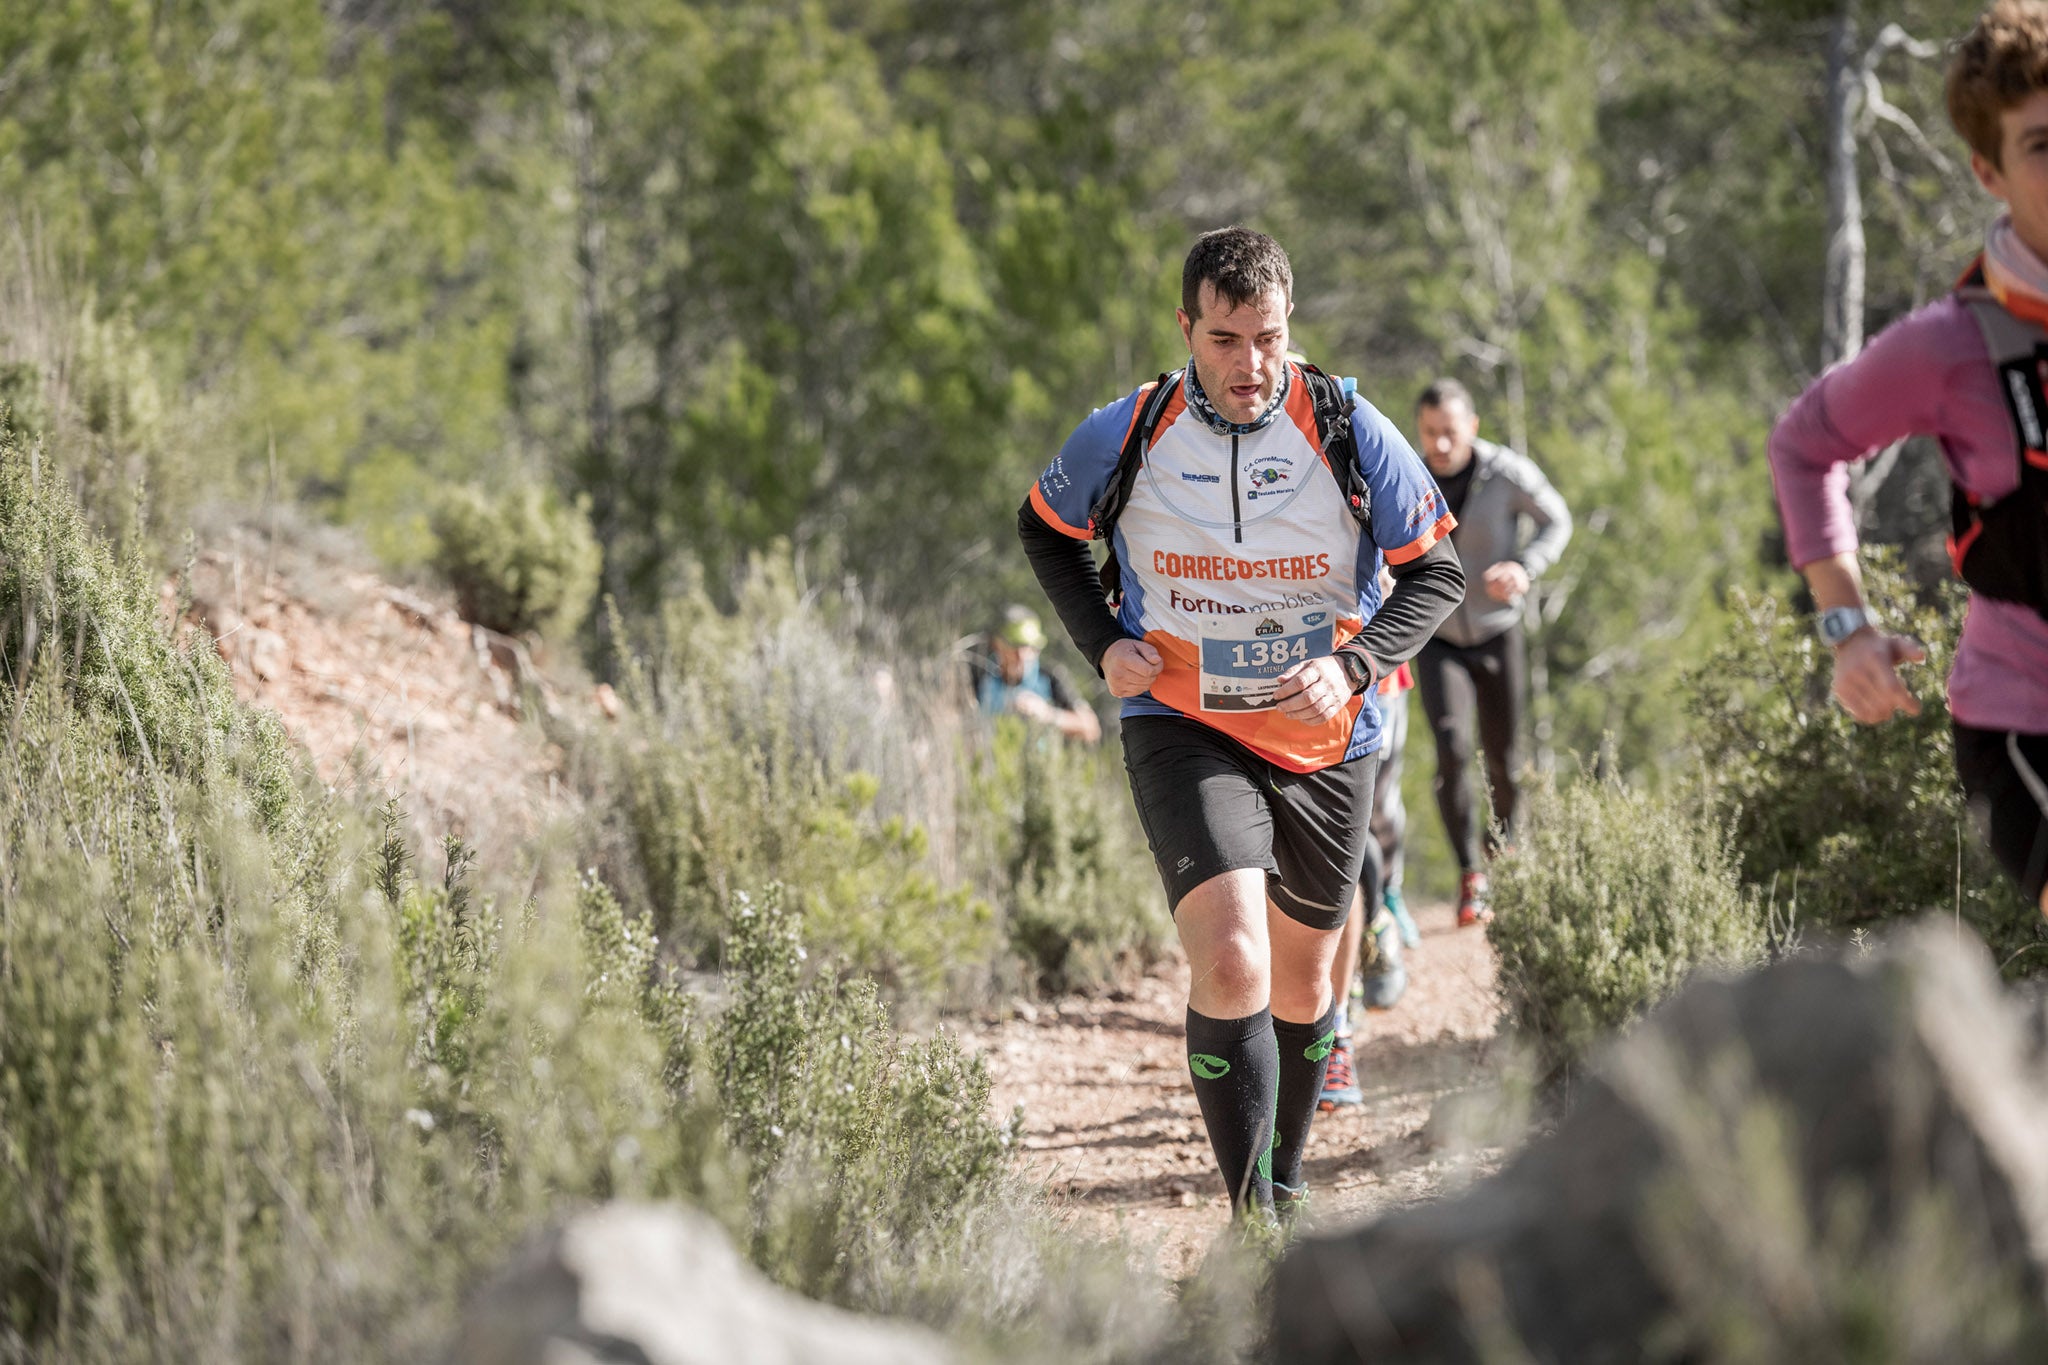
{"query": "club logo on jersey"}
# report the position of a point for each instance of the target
(1267, 475)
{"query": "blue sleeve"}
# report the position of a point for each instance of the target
(1408, 510)
(1080, 474)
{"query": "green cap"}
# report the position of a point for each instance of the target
(1020, 629)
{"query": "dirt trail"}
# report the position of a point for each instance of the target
(1110, 1121)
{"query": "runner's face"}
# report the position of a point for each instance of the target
(2022, 180)
(1445, 436)
(1012, 659)
(1239, 353)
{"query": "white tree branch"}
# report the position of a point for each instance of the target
(1893, 38)
(1876, 107)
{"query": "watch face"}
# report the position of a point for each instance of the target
(1839, 623)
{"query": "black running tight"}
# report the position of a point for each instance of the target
(1475, 692)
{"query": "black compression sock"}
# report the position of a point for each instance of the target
(1304, 1058)
(1235, 1069)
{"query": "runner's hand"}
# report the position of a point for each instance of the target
(1313, 690)
(1506, 581)
(1867, 675)
(1031, 706)
(1130, 667)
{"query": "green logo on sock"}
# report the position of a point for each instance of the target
(1207, 1067)
(1320, 1048)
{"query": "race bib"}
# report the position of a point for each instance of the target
(1244, 656)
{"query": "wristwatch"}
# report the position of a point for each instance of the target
(1839, 623)
(1357, 671)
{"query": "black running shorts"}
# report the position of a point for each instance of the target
(1209, 805)
(2005, 778)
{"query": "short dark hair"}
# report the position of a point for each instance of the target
(1445, 393)
(1242, 266)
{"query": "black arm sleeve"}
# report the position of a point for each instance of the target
(1066, 570)
(1427, 589)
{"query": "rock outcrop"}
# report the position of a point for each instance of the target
(635, 1284)
(1827, 1159)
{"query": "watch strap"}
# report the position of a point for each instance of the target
(1360, 669)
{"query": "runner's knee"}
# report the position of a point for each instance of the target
(1232, 966)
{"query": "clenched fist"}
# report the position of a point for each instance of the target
(1130, 667)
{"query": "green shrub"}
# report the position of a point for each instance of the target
(1612, 899)
(1053, 840)
(1849, 823)
(520, 559)
(759, 751)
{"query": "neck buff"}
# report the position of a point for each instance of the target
(1199, 404)
(2018, 278)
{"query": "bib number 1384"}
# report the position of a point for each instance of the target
(1243, 657)
(1266, 653)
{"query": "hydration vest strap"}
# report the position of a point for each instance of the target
(1999, 549)
(1333, 431)
(1103, 516)
(1333, 427)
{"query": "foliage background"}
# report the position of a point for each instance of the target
(767, 313)
(842, 276)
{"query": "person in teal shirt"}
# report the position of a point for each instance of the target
(1010, 679)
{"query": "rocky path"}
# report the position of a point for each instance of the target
(1110, 1122)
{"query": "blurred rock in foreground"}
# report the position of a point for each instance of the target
(1829, 1159)
(647, 1285)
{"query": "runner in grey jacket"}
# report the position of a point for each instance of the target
(1507, 499)
(1473, 676)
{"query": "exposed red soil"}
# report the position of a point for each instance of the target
(383, 685)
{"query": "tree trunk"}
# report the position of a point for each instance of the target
(595, 319)
(1842, 295)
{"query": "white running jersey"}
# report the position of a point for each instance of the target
(1240, 557)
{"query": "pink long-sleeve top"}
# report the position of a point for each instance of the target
(1927, 374)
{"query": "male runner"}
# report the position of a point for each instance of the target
(1250, 621)
(1474, 674)
(1965, 369)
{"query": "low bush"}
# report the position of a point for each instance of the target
(758, 749)
(519, 559)
(940, 857)
(1845, 823)
(1613, 897)
(1052, 839)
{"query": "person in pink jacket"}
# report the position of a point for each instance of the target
(1967, 370)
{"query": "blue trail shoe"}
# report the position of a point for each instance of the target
(1411, 937)
(1386, 978)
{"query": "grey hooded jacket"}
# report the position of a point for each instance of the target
(1507, 492)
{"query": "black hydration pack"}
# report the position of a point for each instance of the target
(1333, 435)
(2000, 549)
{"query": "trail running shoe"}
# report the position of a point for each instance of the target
(1290, 1204)
(1340, 1085)
(1386, 977)
(1411, 937)
(1472, 906)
